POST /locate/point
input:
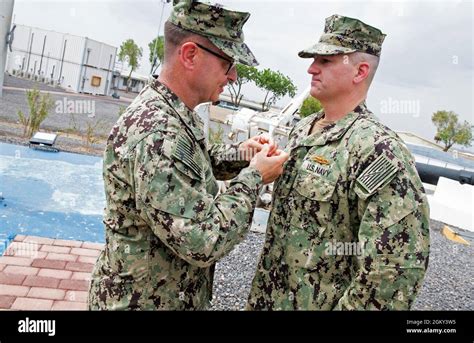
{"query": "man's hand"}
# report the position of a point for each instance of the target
(254, 145)
(269, 167)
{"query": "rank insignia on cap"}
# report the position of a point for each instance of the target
(377, 173)
(320, 160)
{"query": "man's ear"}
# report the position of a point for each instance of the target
(363, 70)
(187, 55)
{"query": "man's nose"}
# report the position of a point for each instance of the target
(232, 75)
(313, 68)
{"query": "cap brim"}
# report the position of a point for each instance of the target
(240, 52)
(324, 49)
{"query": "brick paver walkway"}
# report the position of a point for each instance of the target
(38, 273)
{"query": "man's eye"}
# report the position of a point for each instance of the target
(324, 61)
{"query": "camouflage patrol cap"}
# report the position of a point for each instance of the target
(343, 35)
(221, 26)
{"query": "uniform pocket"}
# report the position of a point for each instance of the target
(310, 218)
(311, 195)
(314, 187)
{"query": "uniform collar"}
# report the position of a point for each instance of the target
(190, 118)
(335, 131)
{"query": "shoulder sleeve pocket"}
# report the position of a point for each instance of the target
(387, 208)
(175, 187)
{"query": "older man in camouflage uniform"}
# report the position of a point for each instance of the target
(165, 224)
(349, 227)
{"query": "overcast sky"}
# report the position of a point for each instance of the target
(426, 63)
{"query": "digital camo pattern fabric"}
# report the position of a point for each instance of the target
(349, 226)
(343, 35)
(223, 27)
(165, 224)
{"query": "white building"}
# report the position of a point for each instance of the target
(79, 64)
(137, 81)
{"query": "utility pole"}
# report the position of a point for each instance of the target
(6, 12)
(155, 57)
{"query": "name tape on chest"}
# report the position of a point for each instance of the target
(315, 168)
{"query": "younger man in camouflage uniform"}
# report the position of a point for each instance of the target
(349, 227)
(165, 227)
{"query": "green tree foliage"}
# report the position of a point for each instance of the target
(244, 74)
(131, 53)
(450, 131)
(310, 105)
(157, 52)
(39, 105)
(275, 84)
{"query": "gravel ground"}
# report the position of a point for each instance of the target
(234, 274)
(70, 124)
(106, 111)
(448, 285)
(449, 282)
(104, 108)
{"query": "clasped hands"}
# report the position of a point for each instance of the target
(265, 156)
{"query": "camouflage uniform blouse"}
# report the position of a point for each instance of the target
(165, 227)
(349, 226)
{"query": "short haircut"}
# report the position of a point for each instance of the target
(174, 36)
(372, 60)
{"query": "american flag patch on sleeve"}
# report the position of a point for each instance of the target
(187, 154)
(377, 173)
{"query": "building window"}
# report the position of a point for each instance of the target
(95, 82)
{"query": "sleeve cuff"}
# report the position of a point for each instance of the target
(251, 178)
